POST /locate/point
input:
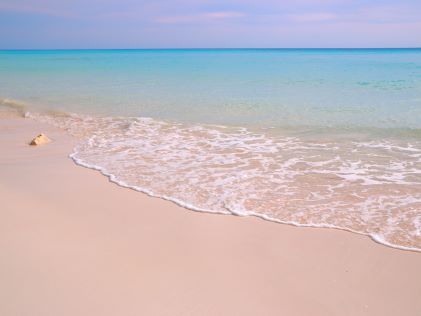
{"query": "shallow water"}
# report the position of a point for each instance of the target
(325, 138)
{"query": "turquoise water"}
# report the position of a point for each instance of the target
(321, 138)
(271, 87)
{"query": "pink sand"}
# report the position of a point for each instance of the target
(72, 243)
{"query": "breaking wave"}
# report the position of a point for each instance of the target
(13, 108)
(368, 186)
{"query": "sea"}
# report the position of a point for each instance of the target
(308, 137)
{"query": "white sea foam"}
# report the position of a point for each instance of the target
(368, 187)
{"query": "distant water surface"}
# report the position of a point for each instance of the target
(312, 137)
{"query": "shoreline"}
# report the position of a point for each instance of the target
(183, 205)
(89, 245)
(18, 109)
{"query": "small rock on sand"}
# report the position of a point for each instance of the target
(41, 139)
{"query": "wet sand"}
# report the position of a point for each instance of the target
(72, 243)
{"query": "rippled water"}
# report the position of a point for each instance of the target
(278, 88)
(312, 138)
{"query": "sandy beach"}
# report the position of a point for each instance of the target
(72, 243)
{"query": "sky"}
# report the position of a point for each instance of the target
(62, 24)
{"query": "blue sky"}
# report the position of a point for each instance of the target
(205, 23)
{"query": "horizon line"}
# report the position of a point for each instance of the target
(211, 48)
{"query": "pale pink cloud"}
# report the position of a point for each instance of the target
(225, 15)
(204, 23)
(176, 19)
(202, 17)
(31, 9)
(389, 13)
(313, 17)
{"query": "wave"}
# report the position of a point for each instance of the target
(13, 107)
(370, 187)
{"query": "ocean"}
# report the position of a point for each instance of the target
(309, 137)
